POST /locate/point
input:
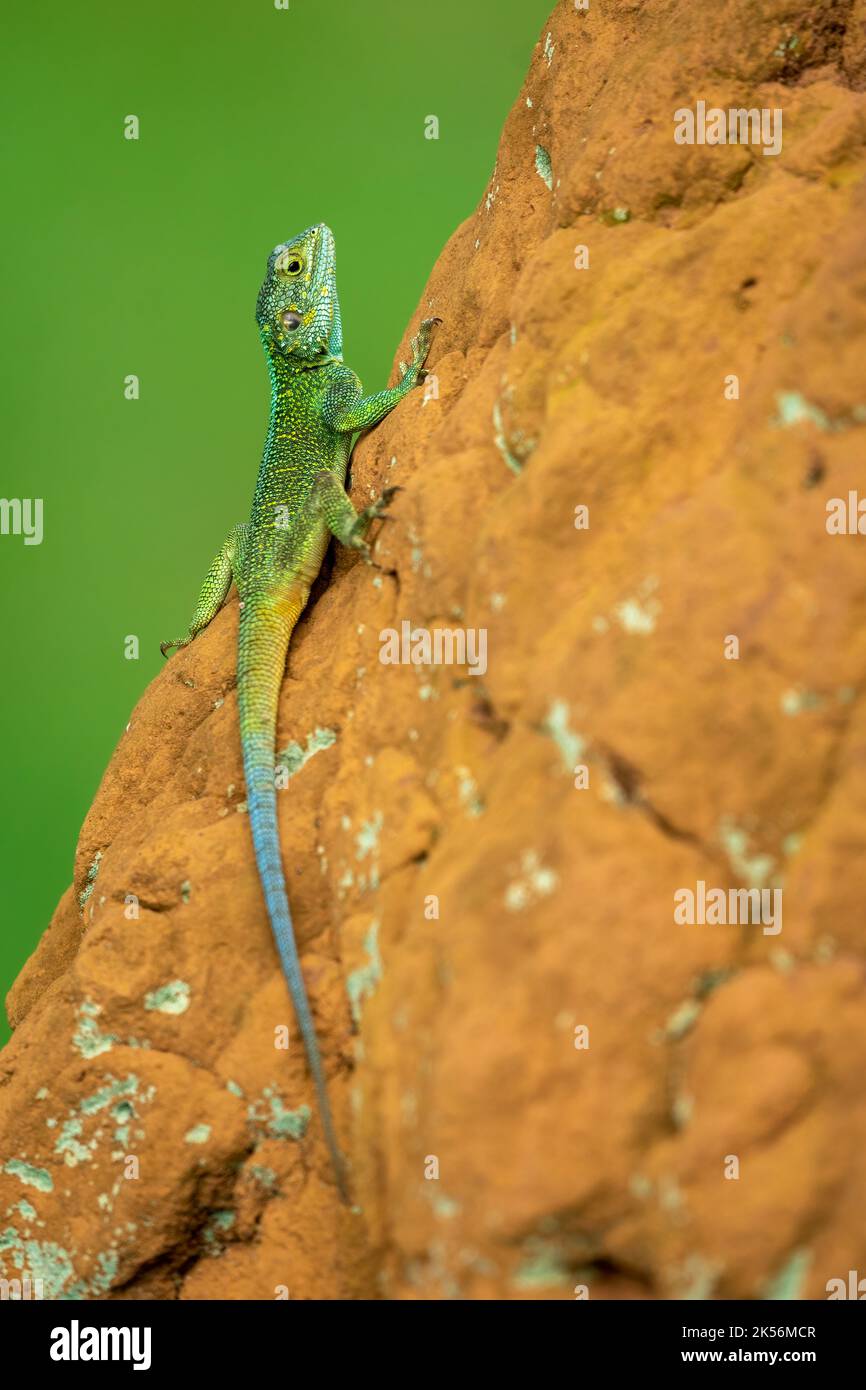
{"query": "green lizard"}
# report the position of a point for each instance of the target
(299, 502)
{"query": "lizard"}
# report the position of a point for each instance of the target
(317, 406)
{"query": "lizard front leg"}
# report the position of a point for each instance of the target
(217, 583)
(346, 410)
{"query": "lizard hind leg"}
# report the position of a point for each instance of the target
(214, 589)
(337, 511)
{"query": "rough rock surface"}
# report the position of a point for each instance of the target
(153, 1139)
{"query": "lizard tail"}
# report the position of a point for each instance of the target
(266, 624)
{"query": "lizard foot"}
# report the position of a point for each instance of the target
(375, 512)
(420, 348)
(377, 508)
(422, 340)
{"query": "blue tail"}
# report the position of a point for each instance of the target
(259, 679)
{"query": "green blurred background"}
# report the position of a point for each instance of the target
(145, 257)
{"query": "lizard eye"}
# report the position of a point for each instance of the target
(289, 264)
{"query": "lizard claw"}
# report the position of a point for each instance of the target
(375, 510)
(358, 543)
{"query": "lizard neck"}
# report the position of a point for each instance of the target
(296, 444)
(295, 385)
(286, 373)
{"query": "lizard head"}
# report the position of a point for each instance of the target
(297, 312)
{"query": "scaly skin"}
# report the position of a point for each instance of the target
(299, 502)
